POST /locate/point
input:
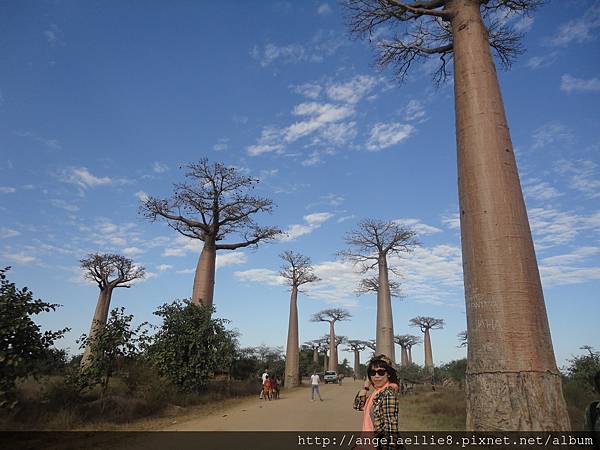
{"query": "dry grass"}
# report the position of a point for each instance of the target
(442, 410)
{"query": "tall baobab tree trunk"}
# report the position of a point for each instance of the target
(292, 361)
(427, 345)
(315, 357)
(325, 361)
(204, 279)
(403, 357)
(512, 379)
(410, 356)
(356, 363)
(384, 337)
(99, 320)
(333, 359)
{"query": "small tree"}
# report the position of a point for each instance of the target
(296, 272)
(370, 244)
(583, 368)
(22, 343)
(189, 345)
(332, 316)
(356, 346)
(216, 202)
(110, 345)
(108, 271)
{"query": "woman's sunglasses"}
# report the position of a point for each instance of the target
(380, 372)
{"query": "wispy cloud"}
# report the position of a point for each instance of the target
(6, 233)
(158, 167)
(7, 190)
(583, 176)
(324, 9)
(542, 61)
(21, 258)
(420, 227)
(50, 143)
(83, 178)
(551, 133)
(384, 135)
(539, 190)
(221, 145)
(569, 84)
(311, 223)
(579, 30)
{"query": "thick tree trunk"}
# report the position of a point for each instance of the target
(333, 359)
(512, 379)
(356, 363)
(403, 356)
(315, 357)
(292, 358)
(427, 345)
(384, 337)
(99, 320)
(204, 279)
(410, 355)
(325, 361)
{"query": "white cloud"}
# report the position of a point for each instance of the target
(551, 133)
(83, 178)
(539, 62)
(285, 54)
(579, 30)
(132, 251)
(7, 190)
(575, 256)
(353, 90)
(164, 267)
(539, 190)
(384, 135)
(265, 276)
(221, 145)
(20, 258)
(159, 167)
(308, 90)
(230, 259)
(324, 9)
(418, 226)
(58, 203)
(259, 149)
(569, 83)
(181, 246)
(141, 196)
(524, 24)
(312, 222)
(452, 221)
(51, 143)
(583, 176)
(6, 233)
(414, 110)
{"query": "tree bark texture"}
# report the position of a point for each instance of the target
(410, 356)
(325, 362)
(292, 358)
(403, 357)
(315, 357)
(427, 345)
(384, 337)
(333, 359)
(512, 379)
(204, 279)
(98, 321)
(356, 363)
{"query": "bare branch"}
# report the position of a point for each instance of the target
(355, 344)
(298, 270)
(110, 270)
(427, 323)
(331, 315)
(372, 285)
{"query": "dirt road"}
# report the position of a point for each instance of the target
(294, 411)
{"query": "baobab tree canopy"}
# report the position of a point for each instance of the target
(371, 284)
(332, 316)
(111, 270)
(298, 270)
(427, 323)
(214, 203)
(417, 30)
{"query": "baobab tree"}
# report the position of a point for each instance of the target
(370, 244)
(356, 346)
(332, 316)
(371, 284)
(314, 346)
(296, 272)
(510, 353)
(371, 344)
(411, 341)
(216, 202)
(426, 324)
(402, 341)
(108, 271)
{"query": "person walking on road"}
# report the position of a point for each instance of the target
(264, 376)
(314, 387)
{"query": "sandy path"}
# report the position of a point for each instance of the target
(294, 411)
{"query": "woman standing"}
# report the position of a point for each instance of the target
(380, 406)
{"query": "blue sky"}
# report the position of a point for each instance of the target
(102, 102)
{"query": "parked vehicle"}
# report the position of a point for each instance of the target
(330, 377)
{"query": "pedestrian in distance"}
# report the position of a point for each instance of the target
(378, 399)
(267, 388)
(263, 377)
(274, 387)
(314, 386)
